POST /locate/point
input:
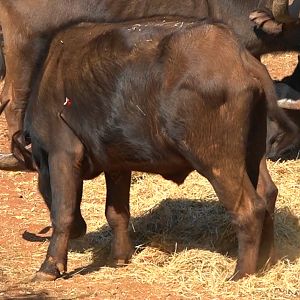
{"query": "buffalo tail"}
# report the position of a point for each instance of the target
(2, 61)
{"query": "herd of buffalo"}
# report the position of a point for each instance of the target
(162, 86)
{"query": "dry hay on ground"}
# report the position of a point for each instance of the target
(184, 242)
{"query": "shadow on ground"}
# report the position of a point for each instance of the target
(183, 224)
(19, 294)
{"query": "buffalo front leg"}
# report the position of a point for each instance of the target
(118, 214)
(66, 187)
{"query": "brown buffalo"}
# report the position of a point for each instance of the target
(154, 96)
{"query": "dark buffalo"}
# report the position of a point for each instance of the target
(28, 27)
(153, 96)
(288, 91)
(275, 151)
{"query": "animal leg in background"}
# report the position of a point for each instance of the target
(17, 87)
(117, 212)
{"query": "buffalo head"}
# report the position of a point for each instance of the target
(279, 144)
(282, 144)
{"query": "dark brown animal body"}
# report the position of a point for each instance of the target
(288, 92)
(117, 98)
(28, 27)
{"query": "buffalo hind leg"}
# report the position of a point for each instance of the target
(227, 173)
(66, 187)
(262, 182)
(79, 225)
(247, 210)
(118, 214)
(268, 191)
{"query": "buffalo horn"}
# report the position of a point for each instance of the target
(289, 104)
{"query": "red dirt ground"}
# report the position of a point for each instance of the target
(22, 211)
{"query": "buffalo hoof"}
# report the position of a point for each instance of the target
(121, 263)
(78, 229)
(50, 270)
(121, 258)
(237, 276)
(265, 262)
(41, 276)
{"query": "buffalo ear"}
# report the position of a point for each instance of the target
(264, 21)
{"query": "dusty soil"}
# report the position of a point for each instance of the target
(24, 239)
